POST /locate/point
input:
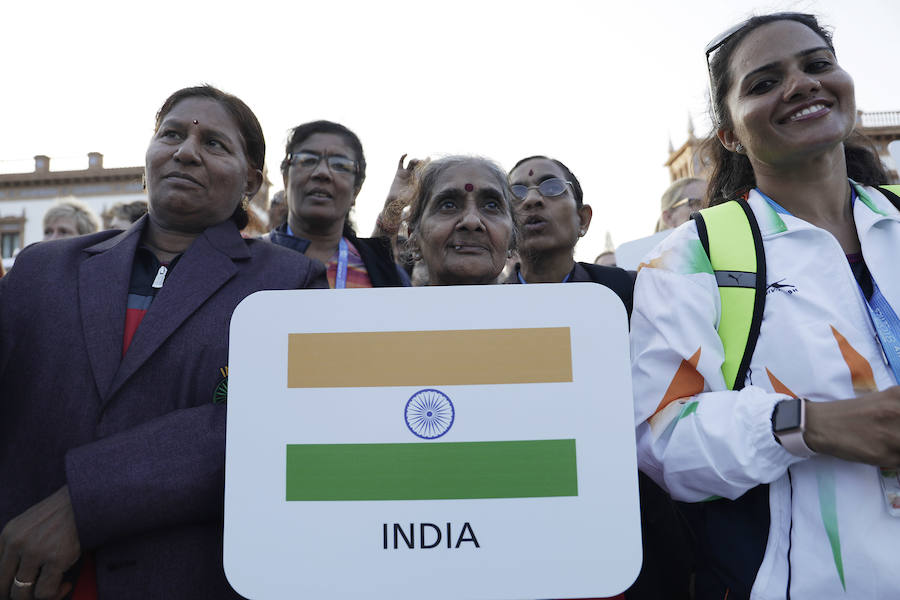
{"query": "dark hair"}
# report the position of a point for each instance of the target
(427, 174)
(129, 211)
(570, 176)
(252, 139)
(732, 175)
(301, 133)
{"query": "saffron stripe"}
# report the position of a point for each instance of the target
(432, 471)
(429, 358)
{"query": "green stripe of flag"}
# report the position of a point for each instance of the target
(432, 471)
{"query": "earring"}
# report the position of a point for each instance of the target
(509, 253)
(144, 181)
(739, 148)
(245, 203)
(581, 233)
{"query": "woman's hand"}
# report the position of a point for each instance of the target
(864, 429)
(37, 547)
(388, 222)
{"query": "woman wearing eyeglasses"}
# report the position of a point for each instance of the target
(552, 218)
(323, 169)
(792, 468)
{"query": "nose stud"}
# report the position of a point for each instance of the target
(196, 122)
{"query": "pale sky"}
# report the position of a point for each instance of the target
(601, 86)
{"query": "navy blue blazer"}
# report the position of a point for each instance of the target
(139, 439)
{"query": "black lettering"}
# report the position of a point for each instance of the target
(466, 527)
(410, 541)
(436, 529)
(449, 539)
(384, 534)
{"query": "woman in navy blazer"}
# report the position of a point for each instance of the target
(113, 373)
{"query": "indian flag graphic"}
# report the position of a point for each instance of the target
(418, 470)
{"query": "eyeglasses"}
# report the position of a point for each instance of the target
(693, 203)
(549, 188)
(339, 165)
(724, 37)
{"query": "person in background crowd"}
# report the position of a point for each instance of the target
(67, 218)
(113, 362)
(122, 214)
(278, 210)
(552, 217)
(607, 258)
(792, 468)
(323, 169)
(680, 199)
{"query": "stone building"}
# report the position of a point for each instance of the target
(24, 197)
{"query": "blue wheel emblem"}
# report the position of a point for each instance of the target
(429, 414)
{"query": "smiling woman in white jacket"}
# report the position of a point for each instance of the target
(809, 514)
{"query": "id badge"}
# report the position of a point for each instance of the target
(890, 485)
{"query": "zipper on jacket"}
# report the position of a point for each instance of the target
(160, 277)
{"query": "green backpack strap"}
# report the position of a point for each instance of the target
(892, 193)
(730, 235)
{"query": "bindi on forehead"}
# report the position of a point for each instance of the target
(469, 187)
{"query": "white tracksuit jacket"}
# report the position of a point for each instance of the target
(698, 439)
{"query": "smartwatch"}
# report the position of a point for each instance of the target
(788, 425)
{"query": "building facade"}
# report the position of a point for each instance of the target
(25, 197)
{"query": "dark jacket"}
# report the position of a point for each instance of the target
(138, 439)
(668, 559)
(376, 254)
(618, 280)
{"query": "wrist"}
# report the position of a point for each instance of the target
(789, 426)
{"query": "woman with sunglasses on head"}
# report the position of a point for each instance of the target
(323, 170)
(792, 466)
(552, 217)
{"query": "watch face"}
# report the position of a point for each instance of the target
(787, 415)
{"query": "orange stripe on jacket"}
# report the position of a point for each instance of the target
(778, 386)
(687, 382)
(860, 370)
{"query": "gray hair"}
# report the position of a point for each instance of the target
(85, 219)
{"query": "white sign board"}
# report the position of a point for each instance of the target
(441, 443)
(630, 254)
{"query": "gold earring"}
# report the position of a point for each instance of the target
(245, 203)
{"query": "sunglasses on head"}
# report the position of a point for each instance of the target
(549, 188)
(693, 203)
(724, 37)
(310, 160)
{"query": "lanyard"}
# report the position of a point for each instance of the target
(884, 319)
(340, 277)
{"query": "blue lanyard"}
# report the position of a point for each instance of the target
(884, 319)
(522, 279)
(340, 278)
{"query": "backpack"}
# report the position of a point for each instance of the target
(730, 236)
(732, 241)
